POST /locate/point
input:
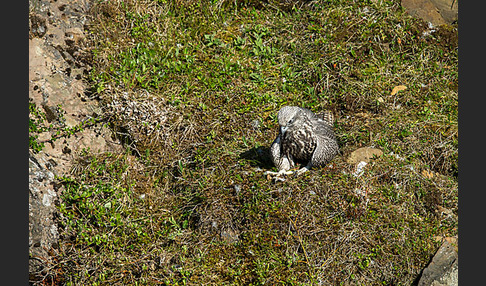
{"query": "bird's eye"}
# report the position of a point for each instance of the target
(290, 121)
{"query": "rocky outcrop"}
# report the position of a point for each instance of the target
(57, 68)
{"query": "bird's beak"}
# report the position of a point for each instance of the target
(283, 129)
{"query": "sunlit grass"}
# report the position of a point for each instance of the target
(193, 88)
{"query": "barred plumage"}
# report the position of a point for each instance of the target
(303, 137)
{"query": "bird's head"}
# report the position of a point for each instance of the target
(289, 116)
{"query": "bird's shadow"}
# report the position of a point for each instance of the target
(258, 157)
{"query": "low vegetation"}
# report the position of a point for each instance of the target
(192, 88)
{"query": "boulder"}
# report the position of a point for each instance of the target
(443, 269)
(437, 12)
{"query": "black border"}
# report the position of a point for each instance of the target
(471, 143)
(15, 144)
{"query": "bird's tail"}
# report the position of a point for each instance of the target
(327, 116)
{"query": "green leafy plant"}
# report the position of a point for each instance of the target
(36, 126)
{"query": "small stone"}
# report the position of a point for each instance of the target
(364, 154)
(51, 113)
(51, 163)
(66, 150)
(444, 211)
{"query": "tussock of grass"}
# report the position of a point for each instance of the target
(193, 88)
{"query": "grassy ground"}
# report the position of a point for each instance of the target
(193, 88)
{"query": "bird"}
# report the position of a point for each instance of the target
(303, 137)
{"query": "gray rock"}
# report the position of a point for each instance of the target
(443, 269)
(43, 233)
